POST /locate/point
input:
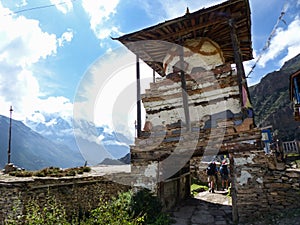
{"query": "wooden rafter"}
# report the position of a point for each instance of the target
(209, 22)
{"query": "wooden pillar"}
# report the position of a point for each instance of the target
(138, 96)
(184, 91)
(153, 75)
(237, 58)
(233, 190)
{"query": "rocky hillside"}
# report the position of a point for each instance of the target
(271, 102)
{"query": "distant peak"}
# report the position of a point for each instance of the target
(292, 64)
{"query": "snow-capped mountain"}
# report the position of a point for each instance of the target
(94, 143)
(33, 151)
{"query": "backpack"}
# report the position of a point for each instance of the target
(223, 169)
(211, 169)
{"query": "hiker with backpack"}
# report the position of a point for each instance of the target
(224, 174)
(211, 172)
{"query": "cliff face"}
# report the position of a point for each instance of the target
(271, 103)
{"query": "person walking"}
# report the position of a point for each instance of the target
(224, 174)
(211, 172)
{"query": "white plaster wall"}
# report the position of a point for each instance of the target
(243, 179)
(163, 117)
(148, 176)
(201, 52)
(244, 161)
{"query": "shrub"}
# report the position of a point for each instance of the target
(40, 174)
(115, 211)
(50, 213)
(21, 173)
(145, 204)
(71, 173)
(52, 172)
(86, 169)
(128, 208)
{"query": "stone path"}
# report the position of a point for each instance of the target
(205, 209)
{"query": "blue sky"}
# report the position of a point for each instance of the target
(45, 53)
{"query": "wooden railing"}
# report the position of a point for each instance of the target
(290, 147)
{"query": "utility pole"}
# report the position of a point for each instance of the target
(9, 136)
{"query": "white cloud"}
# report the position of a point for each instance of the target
(64, 6)
(22, 3)
(39, 109)
(56, 105)
(37, 118)
(284, 40)
(113, 143)
(22, 44)
(106, 32)
(171, 10)
(107, 92)
(178, 9)
(100, 13)
(65, 37)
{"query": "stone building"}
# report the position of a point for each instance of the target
(200, 107)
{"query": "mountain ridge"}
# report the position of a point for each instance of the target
(94, 142)
(36, 145)
(271, 102)
(32, 151)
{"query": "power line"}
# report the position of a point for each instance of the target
(37, 7)
(268, 42)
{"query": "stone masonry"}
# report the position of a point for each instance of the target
(262, 185)
(77, 194)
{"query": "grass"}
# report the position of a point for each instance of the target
(293, 154)
(196, 188)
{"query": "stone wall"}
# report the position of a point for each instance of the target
(262, 186)
(211, 93)
(76, 194)
(217, 124)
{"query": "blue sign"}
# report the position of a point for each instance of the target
(266, 136)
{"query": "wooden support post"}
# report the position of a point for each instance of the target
(184, 91)
(153, 76)
(233, 173)
(138, 96)
(237, 58)
(240, 69)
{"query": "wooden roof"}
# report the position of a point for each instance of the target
(212, 22)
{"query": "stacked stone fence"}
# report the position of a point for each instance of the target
(75, 194)
(262, 186)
